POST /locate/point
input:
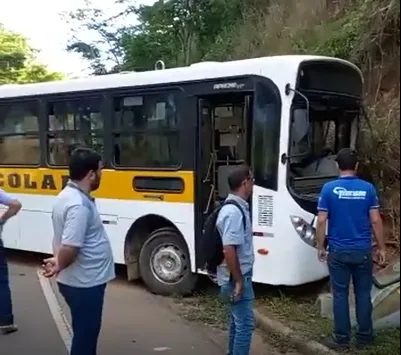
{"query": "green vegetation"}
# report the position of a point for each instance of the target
(17, 61)
(302, 314)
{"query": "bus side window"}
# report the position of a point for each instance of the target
(75, 122)
(19, 137)
(145, 133)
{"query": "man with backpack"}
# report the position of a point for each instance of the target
(229, 228)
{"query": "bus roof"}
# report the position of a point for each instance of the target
(273, 66)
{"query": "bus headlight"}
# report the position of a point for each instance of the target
(304, 230)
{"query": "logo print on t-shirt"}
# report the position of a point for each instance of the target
(344, 194)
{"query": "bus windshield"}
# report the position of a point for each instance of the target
(324, 119)
(317, 139)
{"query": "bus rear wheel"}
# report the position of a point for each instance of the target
(165, 264)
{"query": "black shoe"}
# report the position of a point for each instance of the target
(8, 329)
(332, 344)
(363, 345)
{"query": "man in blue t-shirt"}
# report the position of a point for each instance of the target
(349, 207)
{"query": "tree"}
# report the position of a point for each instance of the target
(104, 51)
(105, 48)
(17, 61)
(179, 32)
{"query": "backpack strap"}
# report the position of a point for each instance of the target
(235, 203)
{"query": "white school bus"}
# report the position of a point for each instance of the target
(169, 139)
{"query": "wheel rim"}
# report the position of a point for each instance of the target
(168, 264)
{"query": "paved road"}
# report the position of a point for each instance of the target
(135, 321)
(38, 333)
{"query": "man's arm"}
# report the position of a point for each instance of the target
(231, 257)
(321, 228)
(232, 232)
(322, 217)
(377, 226)
(76, 221)
(13, 205)
(376, 219)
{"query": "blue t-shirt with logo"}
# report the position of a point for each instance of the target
(348, 202)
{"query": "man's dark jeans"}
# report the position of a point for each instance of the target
(86, 306)
(358, 266)
(6, 309)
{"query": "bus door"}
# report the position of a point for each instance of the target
(224, 142)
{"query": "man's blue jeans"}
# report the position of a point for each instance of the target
(241, 317)
(86, 306)
(6, 309)
(358, 266)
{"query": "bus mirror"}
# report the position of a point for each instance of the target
(288, 89)
(159, 65)
(300, 127)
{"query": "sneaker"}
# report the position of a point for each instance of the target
(8, 329)
(332, 344)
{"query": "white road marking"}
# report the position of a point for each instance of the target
(63, 326)
(164, 348)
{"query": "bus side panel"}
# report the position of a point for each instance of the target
(119, 205)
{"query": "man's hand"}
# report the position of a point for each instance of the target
(238, 290)
(322, 255)
(381, 256)
(50, 267)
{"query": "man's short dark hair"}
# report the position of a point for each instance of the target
(237, 176)
(82, 161)
(347, 159)
(73, 147)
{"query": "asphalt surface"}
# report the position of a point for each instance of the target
(38, 333)
(134, 321)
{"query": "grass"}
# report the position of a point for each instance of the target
(302, 315)
(295, 307)
(204, 307)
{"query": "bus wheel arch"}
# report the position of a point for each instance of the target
(150, 239)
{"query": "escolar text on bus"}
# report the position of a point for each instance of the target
(27, 181)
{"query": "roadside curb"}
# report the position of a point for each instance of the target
(307, 347)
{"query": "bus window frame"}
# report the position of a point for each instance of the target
(38, 134)
(65, 97)
(310, 205)
(119, 93)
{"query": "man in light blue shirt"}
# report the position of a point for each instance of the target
(235, 274)
(83, 258)
(7, 325)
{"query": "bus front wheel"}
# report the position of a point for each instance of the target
(165, 264)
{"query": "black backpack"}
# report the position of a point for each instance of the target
(212, 244)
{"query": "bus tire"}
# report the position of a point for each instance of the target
(165, 265)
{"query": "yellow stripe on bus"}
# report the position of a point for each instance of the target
(115, 184)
